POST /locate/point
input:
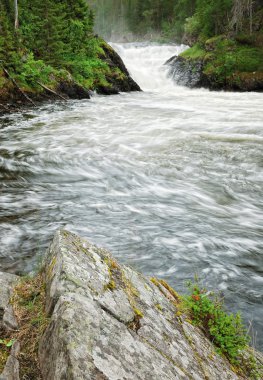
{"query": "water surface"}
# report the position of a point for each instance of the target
(170, 180)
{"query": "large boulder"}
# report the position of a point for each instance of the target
(109, 322)
(186, 72)
(119, 78)
(213, 66)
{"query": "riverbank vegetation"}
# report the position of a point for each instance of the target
(227, 34)
(50, 47)
(227, 332)
(200, 307)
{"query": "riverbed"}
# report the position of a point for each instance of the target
(169, 180)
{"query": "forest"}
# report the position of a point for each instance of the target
(47, 42)
(226, 36)
(175, 19)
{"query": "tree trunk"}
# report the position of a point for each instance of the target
(250, 10)
(16, 14)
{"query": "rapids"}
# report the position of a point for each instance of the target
(170, 180)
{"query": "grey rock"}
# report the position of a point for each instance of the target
(7, 282)
(187, 72)
(9, 319)
(109, 322)
(11, 370)
(74, 265)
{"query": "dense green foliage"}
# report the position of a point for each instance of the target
(225, 330)
(54, 41)
(195, 19)
(227, 35)
(118, 18)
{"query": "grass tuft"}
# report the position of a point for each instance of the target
(29, 303)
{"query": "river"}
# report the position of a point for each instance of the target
(170, 180)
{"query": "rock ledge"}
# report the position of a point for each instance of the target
(108, 322)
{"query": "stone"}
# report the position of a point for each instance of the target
(9, 319)
(186, 72)
(123, 83)
(109, 322)
(7, 282)
(11, 370)
(191, 72)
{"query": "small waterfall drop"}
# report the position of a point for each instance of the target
(146, 63)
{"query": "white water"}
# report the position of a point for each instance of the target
(170, 180)
(145, 63)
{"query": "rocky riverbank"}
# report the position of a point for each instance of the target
(84, 316)
(221, 63)
(14, 96)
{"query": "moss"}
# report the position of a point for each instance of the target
(170, 290)
(147, 287)
(195, 52)
(229, 59)
(51, 267)
(132, 294)
(172, 294)
(112, 263)
(114, 269)
(154, 281)
(119, 279)
(110, 286)
(235, 63)
(138, 312)
(159, 307)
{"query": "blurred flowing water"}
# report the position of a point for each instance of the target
(170, 180)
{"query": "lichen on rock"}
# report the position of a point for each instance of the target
(100, 331)
(132, 330)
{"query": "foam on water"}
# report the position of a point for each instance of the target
(170, 180)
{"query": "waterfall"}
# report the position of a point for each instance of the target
(146, 63)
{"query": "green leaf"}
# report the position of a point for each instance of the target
(10, 343)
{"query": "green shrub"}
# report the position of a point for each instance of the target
(226, 331)
(228, 57)
(33, 71)
(89, 73)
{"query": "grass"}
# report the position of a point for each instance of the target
(4, 353)
(28, 303)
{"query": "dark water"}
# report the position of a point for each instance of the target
(170, 180)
